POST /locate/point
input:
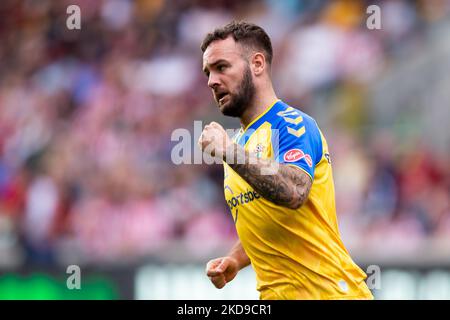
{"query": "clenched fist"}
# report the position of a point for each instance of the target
(214, 140)
(222, 270)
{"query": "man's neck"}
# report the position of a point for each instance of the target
(259, 104)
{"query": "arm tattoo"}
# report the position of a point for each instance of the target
(288, 186)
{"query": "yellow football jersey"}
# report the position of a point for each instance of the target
(296, 254)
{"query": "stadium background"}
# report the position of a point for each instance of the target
(86, 118)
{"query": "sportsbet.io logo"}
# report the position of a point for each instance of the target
(242, 198)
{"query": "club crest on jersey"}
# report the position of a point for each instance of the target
(296, 155)
(259, 150)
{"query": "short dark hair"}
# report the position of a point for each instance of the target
(248, 34)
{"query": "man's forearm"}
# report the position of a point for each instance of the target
(237, 252)
(285, 186)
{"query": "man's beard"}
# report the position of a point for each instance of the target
(242, 99)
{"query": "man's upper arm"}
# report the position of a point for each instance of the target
(299, 174)
(299, 145)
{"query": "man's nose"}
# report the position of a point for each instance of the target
(213, 81)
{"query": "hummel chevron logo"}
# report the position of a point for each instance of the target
(294, 121)
(297, 133)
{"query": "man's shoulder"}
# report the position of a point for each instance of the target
(292, 122)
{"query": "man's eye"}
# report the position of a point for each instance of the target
(221, 68)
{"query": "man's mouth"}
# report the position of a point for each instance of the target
(221, 97)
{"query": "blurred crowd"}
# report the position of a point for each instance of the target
(86, 118)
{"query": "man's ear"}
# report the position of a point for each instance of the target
(258, 63)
